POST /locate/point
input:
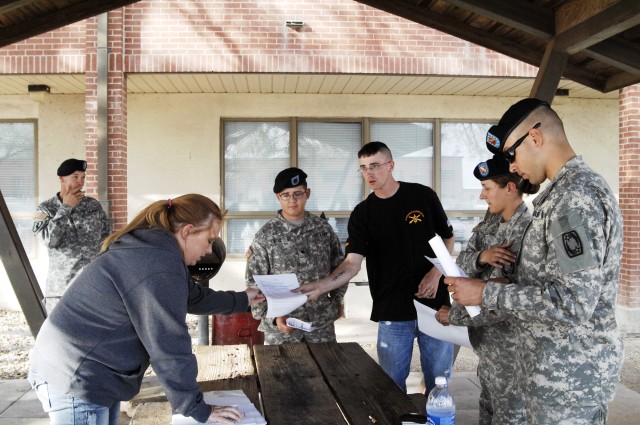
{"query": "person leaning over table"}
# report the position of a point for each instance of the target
(392, 228)
(72, 227)
(298, 242)
(564, 297)
(490, 254)
(128, 309)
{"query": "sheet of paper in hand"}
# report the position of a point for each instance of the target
(292, 322)
(277, 290)
(448, 267)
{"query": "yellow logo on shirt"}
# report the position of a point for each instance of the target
(414, 217)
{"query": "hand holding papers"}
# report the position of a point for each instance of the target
(448, 267)
(235, 398)
(277, 289)
(292, 322)
(428, 324)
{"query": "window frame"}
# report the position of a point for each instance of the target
(365, 123)
(29, 215)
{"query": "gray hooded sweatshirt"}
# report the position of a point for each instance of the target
(125, 310)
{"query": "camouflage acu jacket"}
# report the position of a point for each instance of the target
(569, 350)
(311, 251)
(72, 236)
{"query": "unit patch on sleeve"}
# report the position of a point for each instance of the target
(572, 244)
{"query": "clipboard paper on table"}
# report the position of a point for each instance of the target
(277, 290)
(235, 398)
(448, 267)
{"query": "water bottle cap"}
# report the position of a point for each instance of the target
(441, 380)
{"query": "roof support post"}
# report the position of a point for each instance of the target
(549, 73)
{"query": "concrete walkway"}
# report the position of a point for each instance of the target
(20, 406)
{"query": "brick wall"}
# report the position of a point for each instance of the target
(339, 36)
(56, 52)
(629, 292)
(116, 116)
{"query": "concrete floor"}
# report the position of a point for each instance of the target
(19, 405)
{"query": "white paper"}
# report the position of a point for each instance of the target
(428, 324)
(236, 398)
(448, 267)
(277, 290)
(299, 324)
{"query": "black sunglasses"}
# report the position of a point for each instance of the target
(510, 154)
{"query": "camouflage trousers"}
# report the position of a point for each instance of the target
(501, 403)
(541, 413)
(274, 337)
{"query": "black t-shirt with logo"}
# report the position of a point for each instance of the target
(393, 234)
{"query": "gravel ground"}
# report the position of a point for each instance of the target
(16, 341)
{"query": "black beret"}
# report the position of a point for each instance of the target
(498, 134)
(70, 166)
(291, 177)
(492, 168)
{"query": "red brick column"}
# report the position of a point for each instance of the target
(117, 116)
(629, 292)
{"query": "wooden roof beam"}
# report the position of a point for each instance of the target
(519, 14)
(549, 74)
(602, 25)
(482, 38)
(64, 16)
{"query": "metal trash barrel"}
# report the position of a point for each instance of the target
(239, 328)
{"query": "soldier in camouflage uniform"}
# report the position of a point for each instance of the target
(490, 254)
(296, 241)
(72, 227)
(569, 350)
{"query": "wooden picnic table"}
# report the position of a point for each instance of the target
(325, 383)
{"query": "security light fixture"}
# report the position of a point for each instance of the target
(294, 24)
(38, 92)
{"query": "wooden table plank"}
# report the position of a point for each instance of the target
(361, 387)
(227, 367)
(293, 389)
(220, 367)
(223, 362)
(152, 414)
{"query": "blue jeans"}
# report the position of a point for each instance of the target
(67, 410)
(395, 347)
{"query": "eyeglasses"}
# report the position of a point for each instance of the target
(295, 195)
(373, 167)
(510, 154)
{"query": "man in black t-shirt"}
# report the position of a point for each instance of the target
(392, 228)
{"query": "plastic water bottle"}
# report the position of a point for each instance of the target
(441, 410)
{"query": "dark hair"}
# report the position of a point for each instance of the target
(522, 185)
(373, 148)
(170, 215)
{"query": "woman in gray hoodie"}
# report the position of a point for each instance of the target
(127, 309)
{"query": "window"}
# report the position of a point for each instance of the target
(463, 147)
(255, 151)
(17, 179)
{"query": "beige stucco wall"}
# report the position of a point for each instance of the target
(173, 144)
(60, 135)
